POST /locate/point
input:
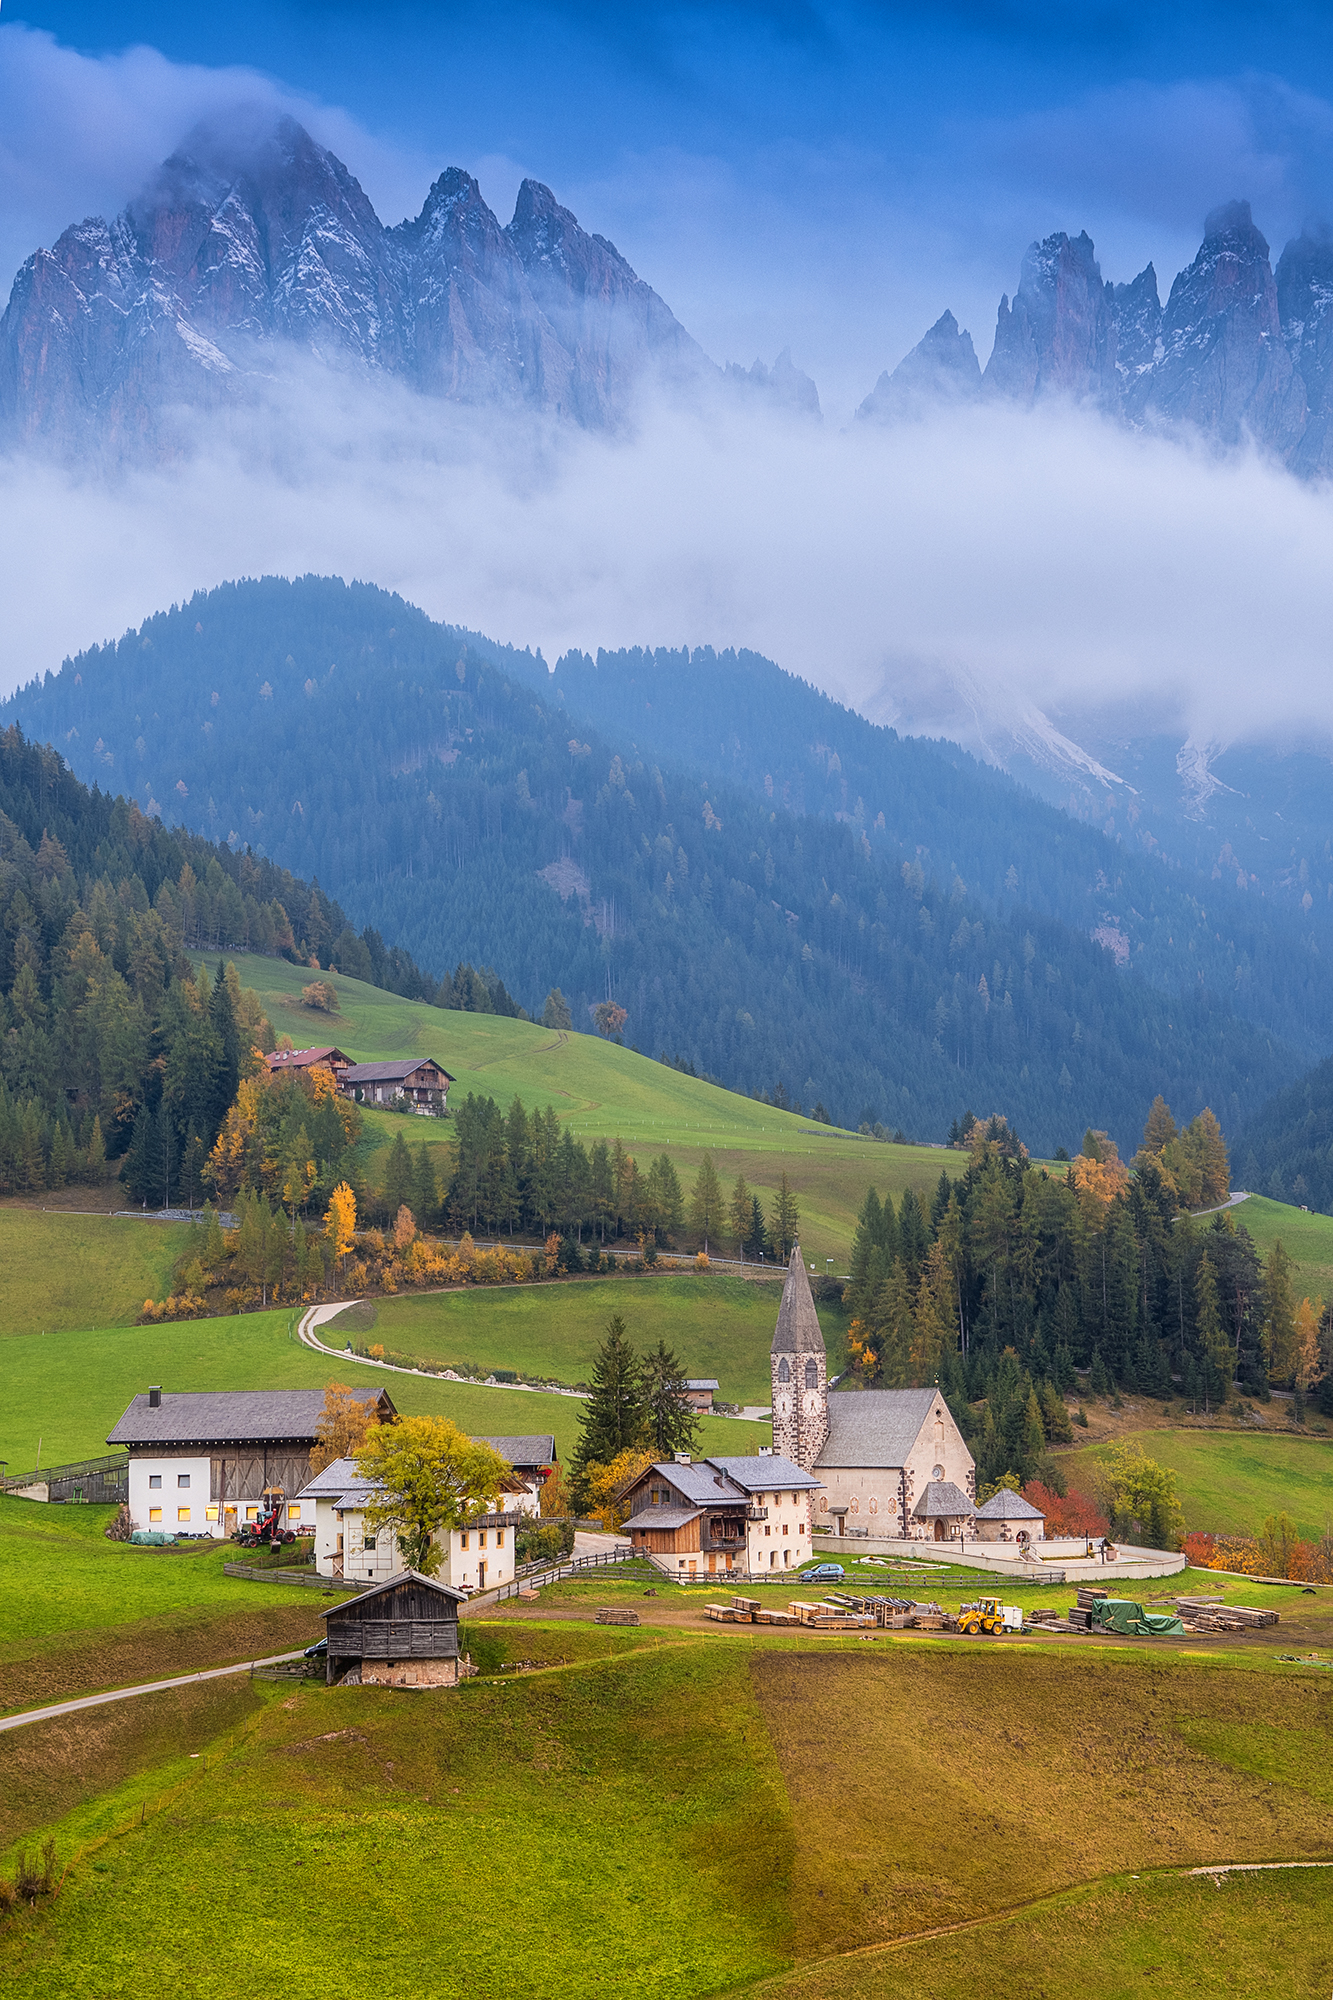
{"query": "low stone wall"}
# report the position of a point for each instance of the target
(998, 1558)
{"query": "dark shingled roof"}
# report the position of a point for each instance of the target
(230, 1416)
(536, 1448)
(390, 1072)
(661, 1517)
(1006, 1505)
(392, 1583)
(875, 1427)
(774, 1474)
(797, 1330)
(942, 1500)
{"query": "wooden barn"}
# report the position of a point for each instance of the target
(423, 1084)
(402, 1633)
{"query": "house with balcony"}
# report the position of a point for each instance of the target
(722, 1516)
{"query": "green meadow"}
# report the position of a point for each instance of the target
(604, 1091)
(68, 1270)
(1306, 1238)
(67, 1389)
(720, 1327)
(1230, 1481)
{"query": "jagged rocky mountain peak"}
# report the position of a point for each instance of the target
(253, 234)
(942, 367)
(1238, 352)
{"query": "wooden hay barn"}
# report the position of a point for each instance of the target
(403, 1633)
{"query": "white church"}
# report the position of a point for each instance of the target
(892, 1461)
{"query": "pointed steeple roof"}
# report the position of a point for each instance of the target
(797, 1330)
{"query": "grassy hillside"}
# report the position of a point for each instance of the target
(601, 1091)
(719, 1327)
(69, 1388)
(1306, 1238)
(1228, 1483)
(62, 1270)
(696, 1815)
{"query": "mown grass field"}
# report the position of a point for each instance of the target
(602, 1091)
(675, 1813)
(1229, 1482)
(68, 1389)
(720, 1327)
(60, 1270)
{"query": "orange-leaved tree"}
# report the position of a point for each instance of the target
(342, 1427)
(340, 1222)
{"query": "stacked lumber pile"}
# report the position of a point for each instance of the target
(1080, 1614)
(608, 1614)
(726, 1614)
(825, 1617)
(1209, 1614)
(1046, 1614)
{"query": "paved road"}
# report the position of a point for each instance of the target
(146, 1687)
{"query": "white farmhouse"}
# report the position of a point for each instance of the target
(477, 1557)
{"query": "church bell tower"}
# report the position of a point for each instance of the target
(799, 1369)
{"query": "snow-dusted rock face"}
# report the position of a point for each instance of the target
(1235, 353)
(245, 242)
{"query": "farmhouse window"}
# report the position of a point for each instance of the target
(210, 1513)
(463, 1540)
(252, 1513)
(499, 1538)
(154, 1480)
(368, 1542)
(182, 1513)
(856, 1505)
(182, 1479)
(155, 1513)
(294, 1511)
(482, 1543)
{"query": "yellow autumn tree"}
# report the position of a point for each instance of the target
(227, 1162)
(607, 1484)
(340, 1222)
(1305, 1346)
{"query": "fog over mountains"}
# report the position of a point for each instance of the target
(256, 236)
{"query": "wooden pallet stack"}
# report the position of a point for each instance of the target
(1081, 1614)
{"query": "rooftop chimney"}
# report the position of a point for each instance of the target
(155, 1396)
(682, 1458)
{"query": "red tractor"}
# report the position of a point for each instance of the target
(266, 1530)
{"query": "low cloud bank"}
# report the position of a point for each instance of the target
(1033, 558)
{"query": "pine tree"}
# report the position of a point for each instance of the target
(614, 1417)
(556, 1014)
(425, 1201)
(398, 1176)
(671, 1423)
(740, 1214)
(786, 1220)
(1211, 1334)
(1160, 1129)
(706, 1201)
(1279, 1308)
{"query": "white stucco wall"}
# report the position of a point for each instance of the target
(170, 1498)
(783, 1540)
(871, 1494)
(460, 1566)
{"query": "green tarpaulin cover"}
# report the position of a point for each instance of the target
(1121, 1614)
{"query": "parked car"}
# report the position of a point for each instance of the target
(824, 1573)
(318, 1651)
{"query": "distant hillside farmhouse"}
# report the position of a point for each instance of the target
(892, 1461)
(333, 1060)
(422, 1082)
(722, 1515)
(200, 1463)
(419, 1080)
(477, 1557)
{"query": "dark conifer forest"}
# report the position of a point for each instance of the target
(457, 812)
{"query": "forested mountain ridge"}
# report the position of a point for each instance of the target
(739, 718)
(111, 1043)
(349, 737)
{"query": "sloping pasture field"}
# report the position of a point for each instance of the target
(694, 1813)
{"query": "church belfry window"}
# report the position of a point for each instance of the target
(811, 1375)
(784, 1372)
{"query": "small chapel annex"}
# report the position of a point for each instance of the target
(892, 1461)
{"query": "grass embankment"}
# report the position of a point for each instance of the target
(720, 1327)
(601, 1091)
(696, 1814)
(1230, 1481)
(79, 1613)
(63, 1270)
(1165, 1934)
(69, 1389)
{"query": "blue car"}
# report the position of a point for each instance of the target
(824, 1573)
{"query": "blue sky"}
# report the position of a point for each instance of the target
(830, 176)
